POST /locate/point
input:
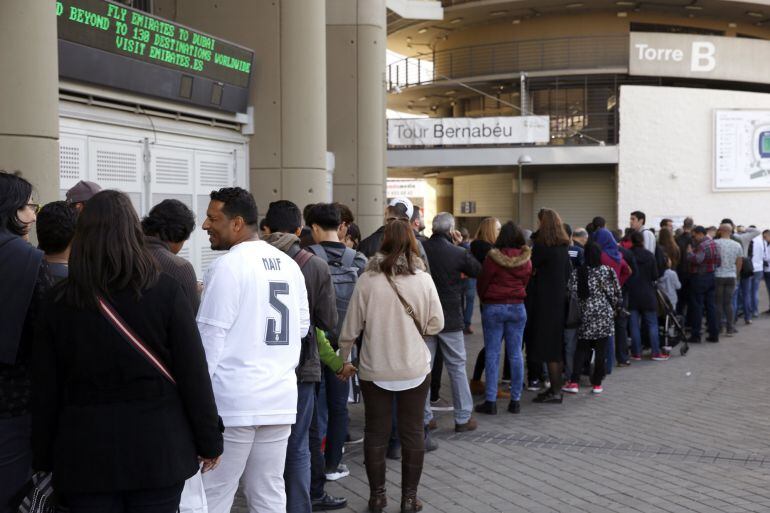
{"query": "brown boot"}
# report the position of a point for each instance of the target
(374, 461)
(411, 471)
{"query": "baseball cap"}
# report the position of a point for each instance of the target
(82, 191)
(406, 203)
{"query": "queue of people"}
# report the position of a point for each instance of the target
(113, 352)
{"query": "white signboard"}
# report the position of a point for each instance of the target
(694, 56)
(468, 131)
(397, 188)
(742, 149)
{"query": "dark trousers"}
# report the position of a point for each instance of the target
(296, 474)
(621, 332)
(317, 461)
(378, 414)
(582, 351)
(436, 371)
(703, 298)
(683, 294)
(337, 425)
(158, 500)
(15, 461)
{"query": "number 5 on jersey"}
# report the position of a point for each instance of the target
(276, 335)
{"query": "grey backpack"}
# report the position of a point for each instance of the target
(344, 278)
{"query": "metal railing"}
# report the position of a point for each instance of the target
(578, 53)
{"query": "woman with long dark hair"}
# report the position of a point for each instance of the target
(502, 288)
(670, 247)
(395, 304)
(598, 291)
(120, 376)
(547, 307)
(22, 284)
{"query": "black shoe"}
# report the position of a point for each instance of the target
(712, 339)
(328, 503)
(534, 385)
(487, 407)
(548, 397)
(394, 451)
(514, 407)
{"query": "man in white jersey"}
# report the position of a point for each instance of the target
(253, 315)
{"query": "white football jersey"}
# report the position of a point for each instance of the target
(253, 316)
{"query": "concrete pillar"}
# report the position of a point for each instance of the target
(355, 43)
(287, 153)
(458, 109)
(29, 94)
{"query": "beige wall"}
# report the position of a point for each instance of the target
(493, 194)
(287, 153)
(355, 67)
(553, 26)
(29, 79)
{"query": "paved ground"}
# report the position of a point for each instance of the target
(687, 435)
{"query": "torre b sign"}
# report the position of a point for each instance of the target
(704, 57)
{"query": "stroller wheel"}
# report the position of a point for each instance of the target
(683, 350)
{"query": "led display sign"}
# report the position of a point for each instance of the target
(134, 35)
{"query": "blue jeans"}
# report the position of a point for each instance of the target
(756, 280)
(703, 297)
(469, 297)
(337, 424)
(650, 319)
(453, 349)
(745, 297)
(296, 474)
(767, 283)
(504, 322)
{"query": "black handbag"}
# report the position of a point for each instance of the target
(573, 318)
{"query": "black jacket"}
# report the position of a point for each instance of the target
(176, 267)
(103, 418)
(371, 245)
(641, 285)
(447, 263)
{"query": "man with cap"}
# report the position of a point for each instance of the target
(398, 209)
(80, 193)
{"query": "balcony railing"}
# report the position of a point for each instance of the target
(572, 53)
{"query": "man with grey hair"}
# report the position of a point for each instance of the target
(448, 261)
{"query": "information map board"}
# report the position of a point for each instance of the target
(742, 149)
(130, 34)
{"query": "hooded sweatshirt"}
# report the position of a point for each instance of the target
(504, 276)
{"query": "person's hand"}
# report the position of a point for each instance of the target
(209, 463)
(457, 237)
(347, 371)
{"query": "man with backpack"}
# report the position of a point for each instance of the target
(284, 222)
(345, 265)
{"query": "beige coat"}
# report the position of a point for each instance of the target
(393, 349)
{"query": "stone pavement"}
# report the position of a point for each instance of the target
(687, 435)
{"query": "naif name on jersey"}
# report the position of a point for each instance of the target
(272, 264)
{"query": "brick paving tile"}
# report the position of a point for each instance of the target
(684, 436)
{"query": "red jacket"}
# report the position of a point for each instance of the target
(622, 270)
(504, 276)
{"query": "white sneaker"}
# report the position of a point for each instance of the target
(338, 473)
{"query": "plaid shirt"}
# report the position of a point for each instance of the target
(705, 259)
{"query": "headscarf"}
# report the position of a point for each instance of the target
(603, 237)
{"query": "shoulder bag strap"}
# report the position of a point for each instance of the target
(348, 257)
(117, 322)
(409, 310)
(302, 257)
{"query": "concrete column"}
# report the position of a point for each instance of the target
(458, 110)
(355, 43)
(29, 94)
(287, 153)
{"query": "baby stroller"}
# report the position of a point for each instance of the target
(670, 324)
